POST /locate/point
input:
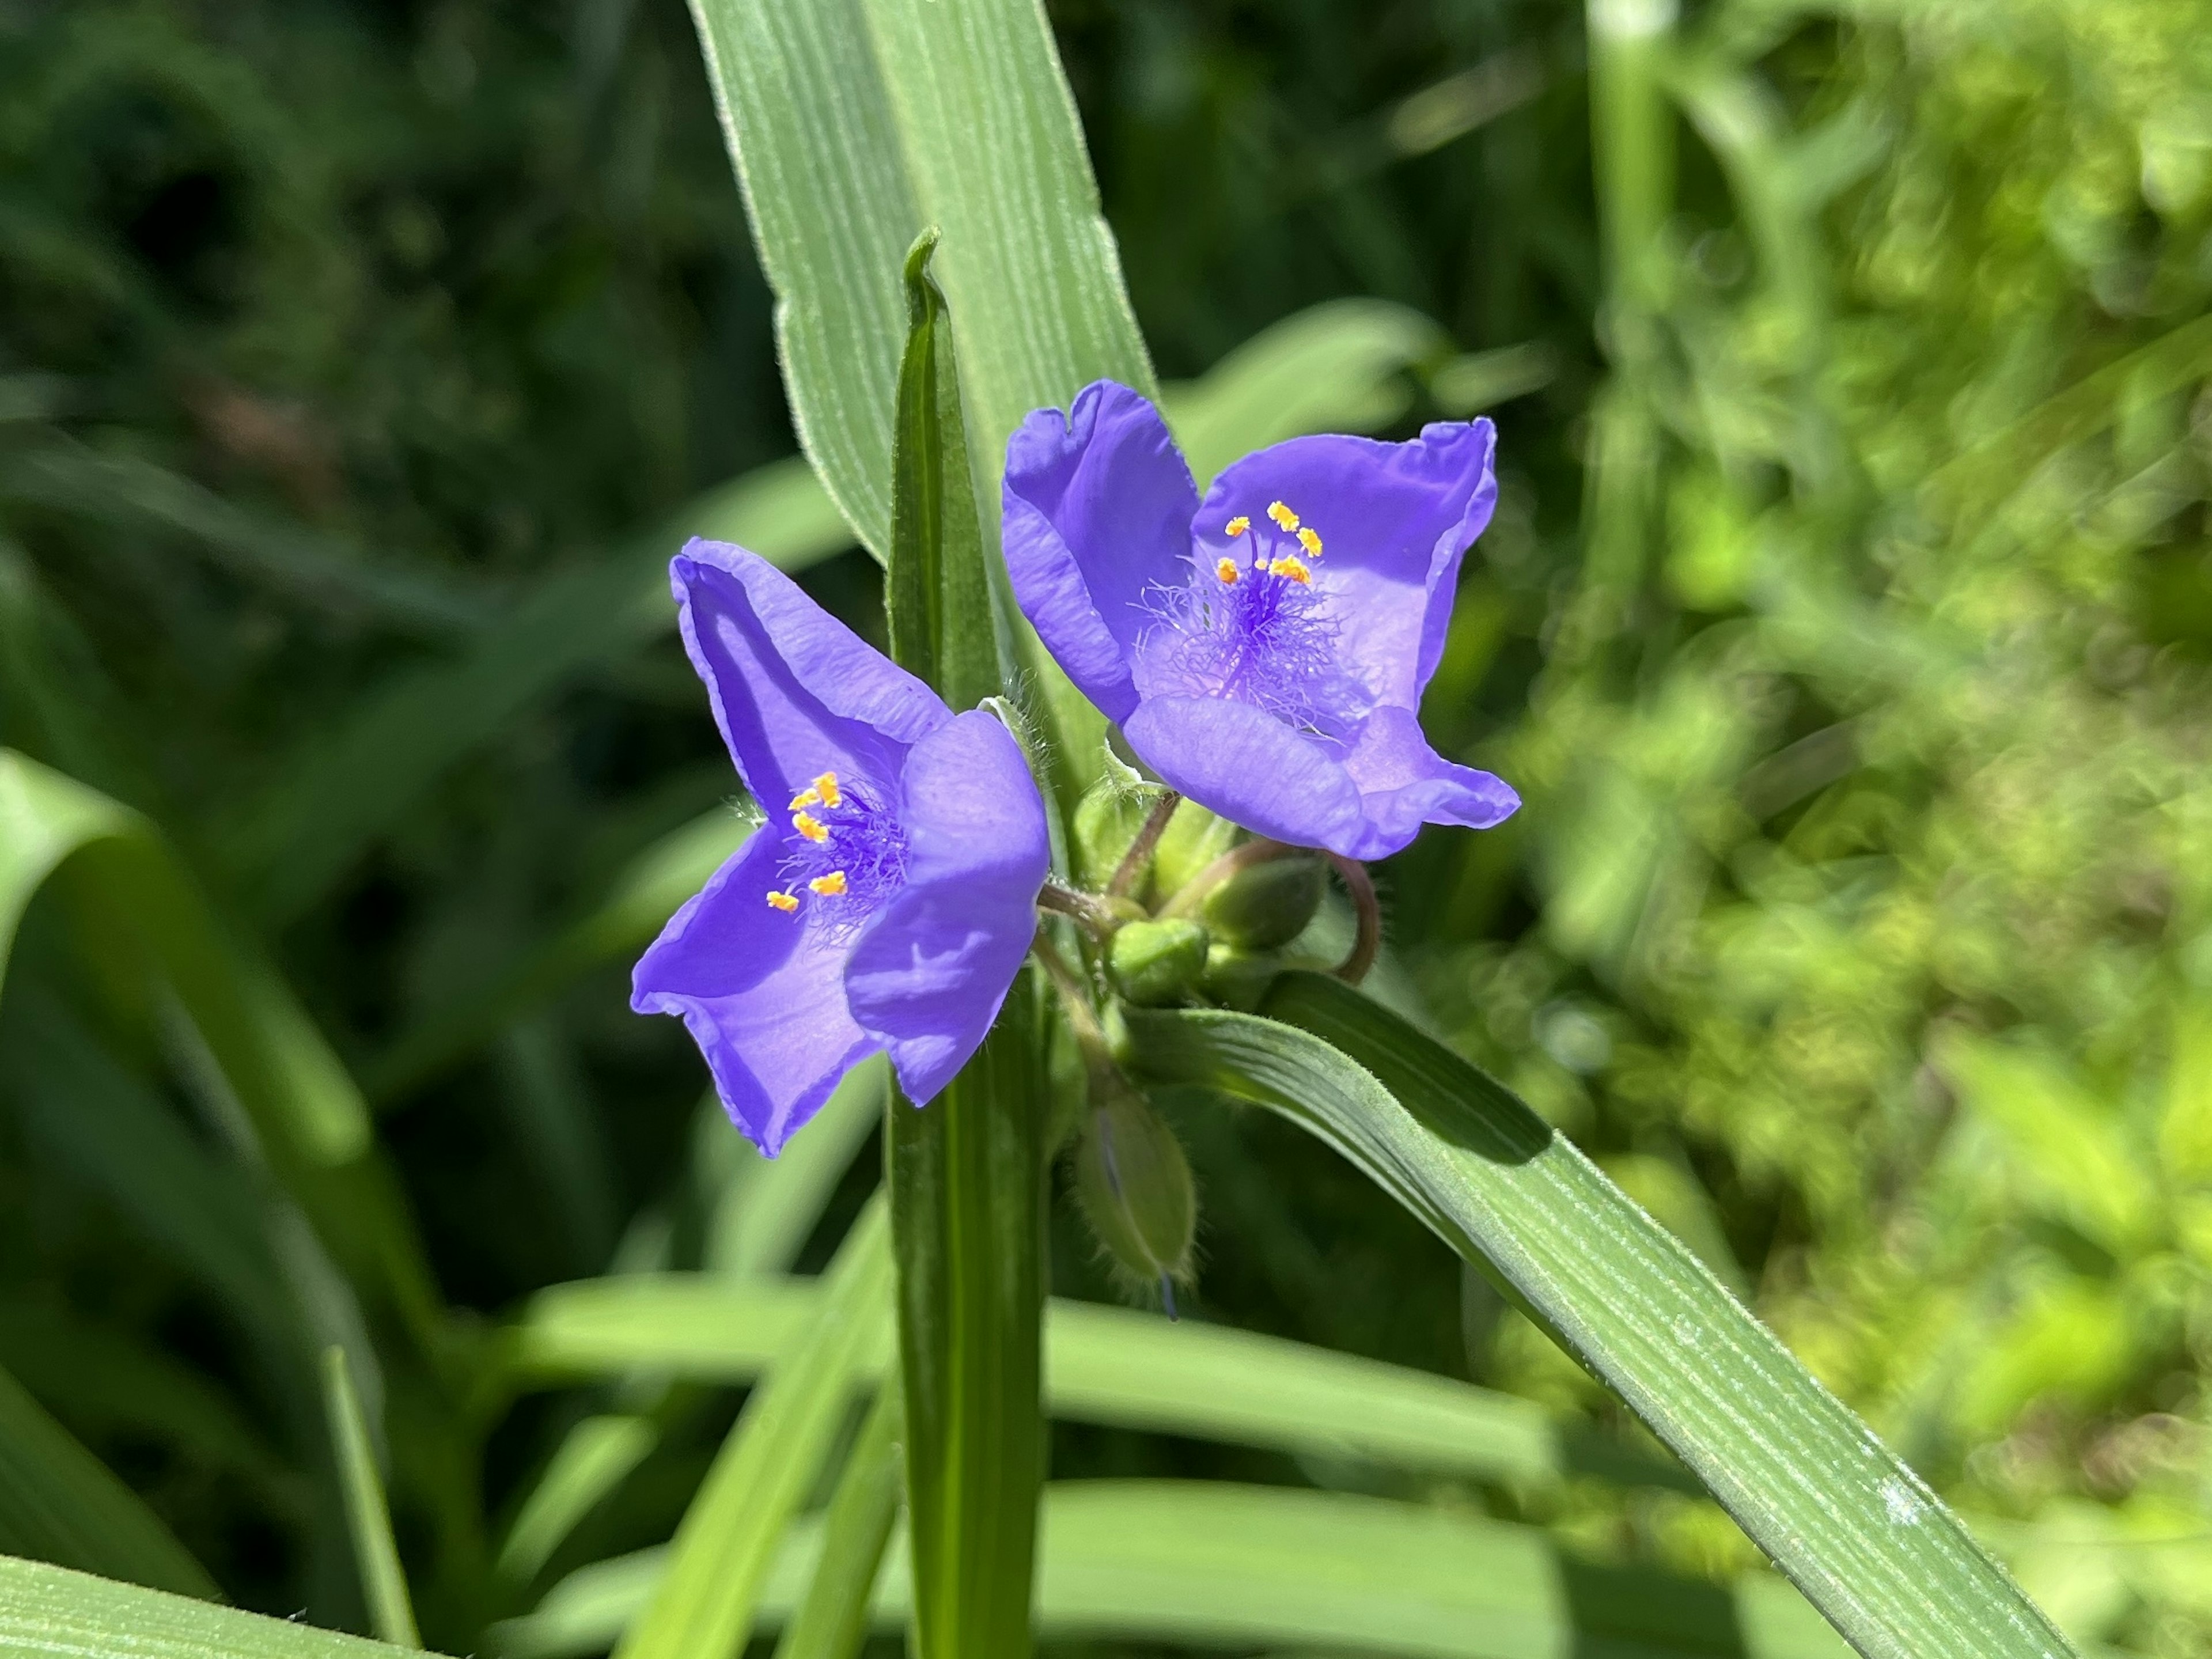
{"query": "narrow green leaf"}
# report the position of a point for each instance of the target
(705, 1607)
(140, 914)
(1864, 1538)
(765, 1212)
(1030, 266)
(1112, 1366)
(596, 1457)
(852, 127)
(937, 596)
(967, 1175)
(1209, 1564)
(60, 1504)
(968, 1190)
(831, 1619)
(369, 1519)
(49, 1613)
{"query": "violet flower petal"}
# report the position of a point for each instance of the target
(1254, 769)
(1404, 783)
(760, 994)
(795, 692)
(1395, 520)
(928, 976)
(1098, 510)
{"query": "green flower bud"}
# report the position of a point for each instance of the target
(1107, 820)
(1133, 1186)
(1152, 962)
(1193, 839)
(1263, 906)
(1237, 978)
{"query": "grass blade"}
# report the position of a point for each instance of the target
(1030, 266)
(1855, 1528)
(49, 1613)
(1215, 1564)
(967, 1179)
(60, 1504)
(937, 595)
(967, 1175)
(369, 1519)
(831, 1618)
(598, 1455)
(705, 1607)
(140, 915)
(1116, 1367)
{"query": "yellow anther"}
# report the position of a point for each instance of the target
(830, 885)
(1226, 569)
(1290, 569)
(826, 786)
(1282, 515)
(784, 902)
(1308, 538)
(810, 827)
(1237, 526)
(805, 798)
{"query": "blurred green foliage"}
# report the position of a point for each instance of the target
(1847, 622)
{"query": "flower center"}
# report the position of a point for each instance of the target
(845, 854)
(1256, 629)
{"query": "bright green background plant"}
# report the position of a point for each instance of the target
(1847, 624)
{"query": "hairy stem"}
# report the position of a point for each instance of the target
(1090, 914)
(1082, 1018)
(1194, 891)
(1140, 850)
(1367, 941)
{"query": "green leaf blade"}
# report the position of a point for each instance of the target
(938, 596)
(1855, 1528)
(368, 1518)
(967, 1178)
(60, 1504)
(51, 1613)
(705, 1607)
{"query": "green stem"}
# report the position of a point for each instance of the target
(1132, 867)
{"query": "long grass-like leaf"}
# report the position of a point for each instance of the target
(369, 1518)
(1216, 1566)
(49, 1613)
(831, 1618)
(60, 1504)
(1111, 1366)
(1865, 1539)
(705, 1607)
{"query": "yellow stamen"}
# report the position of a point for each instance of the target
(786, 902)
(832, 796)
(1290, 569)
(1308, 538)
(1226, 569)
(1237, 526)
(830, 885)
(1282, 515)
(810, 827)
(805, 798)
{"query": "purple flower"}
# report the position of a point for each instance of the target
(886, 903)
(1264, 652)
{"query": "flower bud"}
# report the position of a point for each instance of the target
(1263, 906)
(1238, 979)
(1107, 820)
(1193, 839)
(1134, 1185)
(1152, 962)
